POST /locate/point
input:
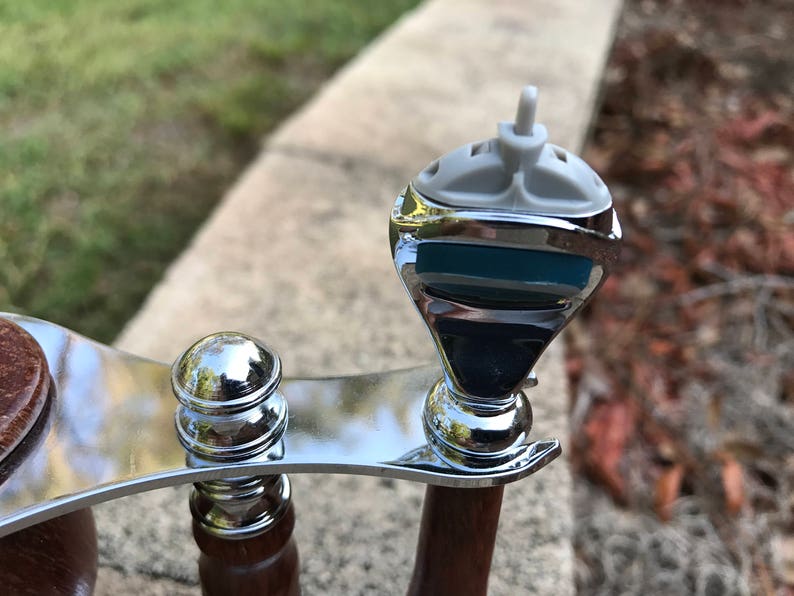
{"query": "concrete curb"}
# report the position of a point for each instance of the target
(297, 253)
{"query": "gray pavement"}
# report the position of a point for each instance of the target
(297, 254)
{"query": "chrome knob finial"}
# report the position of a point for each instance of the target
(230, 406)
(231, 410)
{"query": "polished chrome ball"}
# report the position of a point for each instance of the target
(470, 434)
(225, 372)
(230, 406)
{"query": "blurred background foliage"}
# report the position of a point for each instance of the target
(123, 122)
(682, 370)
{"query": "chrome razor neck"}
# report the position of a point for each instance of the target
(495, 287)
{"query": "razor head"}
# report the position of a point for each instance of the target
(499, 244)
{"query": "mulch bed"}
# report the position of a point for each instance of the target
(683, 368)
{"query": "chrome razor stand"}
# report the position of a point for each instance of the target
(498, 245)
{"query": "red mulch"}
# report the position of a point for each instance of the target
(695, 138)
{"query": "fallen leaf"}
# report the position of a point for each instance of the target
(609, 426)
(661, 347)
(750, 129)
(732, 484)
(668, 487)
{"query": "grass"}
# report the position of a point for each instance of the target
(123, 122)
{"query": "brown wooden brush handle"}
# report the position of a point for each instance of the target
(456, 541)
(54, 558)
(24, 386)
(59, 556)
(265, 565)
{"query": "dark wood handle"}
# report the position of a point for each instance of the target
(54, 558)
(456, 541)
(59, 556)
(265, 565)
(24, 385)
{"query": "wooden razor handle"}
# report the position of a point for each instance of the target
(456, 541)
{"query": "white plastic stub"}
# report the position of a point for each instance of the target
(516, 171)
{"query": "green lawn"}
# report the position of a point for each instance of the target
(121, 124)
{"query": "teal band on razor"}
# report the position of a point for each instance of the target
(499, 263)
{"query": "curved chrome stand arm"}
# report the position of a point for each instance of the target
(110, 433)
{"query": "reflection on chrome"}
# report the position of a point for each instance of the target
(230, 408)
(494, 288)
(111, 433)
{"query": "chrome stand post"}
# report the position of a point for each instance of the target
(231, 410)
